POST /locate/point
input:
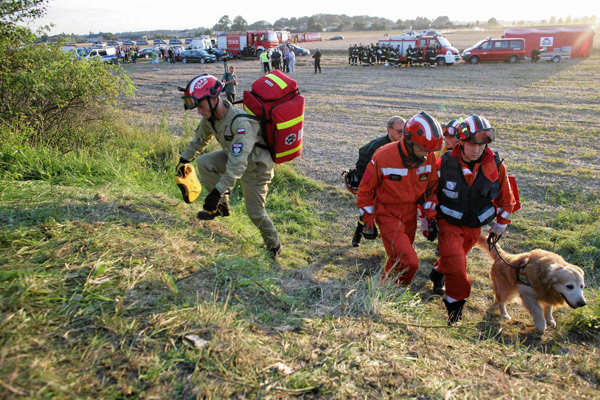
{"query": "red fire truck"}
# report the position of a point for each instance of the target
(233, 43)
(572, 41)
(307, 37)
(446, 53)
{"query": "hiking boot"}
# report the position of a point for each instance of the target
(454, 311)
(223, 210)
(275, 251)
(438, 282)
(357, 235)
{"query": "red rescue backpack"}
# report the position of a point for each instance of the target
(276, 102)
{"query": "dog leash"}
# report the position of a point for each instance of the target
(521, 277)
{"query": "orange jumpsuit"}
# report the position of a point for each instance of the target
(455, 241)
(390, 192)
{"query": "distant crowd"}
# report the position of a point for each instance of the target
(374, 54)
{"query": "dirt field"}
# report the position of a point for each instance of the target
(347, 106)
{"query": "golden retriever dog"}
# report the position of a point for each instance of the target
(544, 280)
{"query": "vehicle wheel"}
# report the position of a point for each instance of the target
(441, 62)
(202, 61)
(184, 60)
(229, 54)
(474, 60)
(113, 61)
(258, 53)
(556, 59)
(513, 59)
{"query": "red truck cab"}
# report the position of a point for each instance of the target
(508, 50)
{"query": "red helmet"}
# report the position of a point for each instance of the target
(351, 180)
(451, 128)
(476, 129)
(199, 88)
(424, 131)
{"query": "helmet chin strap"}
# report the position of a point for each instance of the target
(213, 111)
(411, 159)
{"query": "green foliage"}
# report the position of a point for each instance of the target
(54, 96)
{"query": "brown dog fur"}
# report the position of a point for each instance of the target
(552, 280)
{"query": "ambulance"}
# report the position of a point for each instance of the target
(446, 53)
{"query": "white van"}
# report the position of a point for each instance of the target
(202, 43)
(108, 54)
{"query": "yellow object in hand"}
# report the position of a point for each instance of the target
(189, 184)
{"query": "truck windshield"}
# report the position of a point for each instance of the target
(272, 37)
(444, 42)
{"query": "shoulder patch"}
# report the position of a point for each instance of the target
(237, 148)
(241, 131)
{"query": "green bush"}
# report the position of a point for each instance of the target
(54, 95)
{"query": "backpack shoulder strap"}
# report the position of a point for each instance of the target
(255, 118)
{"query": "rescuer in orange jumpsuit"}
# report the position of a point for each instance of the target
(473, 191)
(400, 176)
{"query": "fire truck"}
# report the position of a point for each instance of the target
(234, 43)
(306, 37)
(565, 42)
(446, 53)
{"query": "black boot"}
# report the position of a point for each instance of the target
(357, 234)
(454, 311)
(275, 251)
(438, 282)
(223, 210)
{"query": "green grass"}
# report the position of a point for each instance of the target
(107, 278)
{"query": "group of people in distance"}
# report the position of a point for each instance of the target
(375, 54)
(450, 191)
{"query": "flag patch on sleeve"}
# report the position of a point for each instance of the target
(241, 131)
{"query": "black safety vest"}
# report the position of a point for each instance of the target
(460, 204)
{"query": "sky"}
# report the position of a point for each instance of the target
(84, 16)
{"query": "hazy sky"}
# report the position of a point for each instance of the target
(81, 17)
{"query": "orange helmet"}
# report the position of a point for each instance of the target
(476, 129)
(424, 131)
(199, 88)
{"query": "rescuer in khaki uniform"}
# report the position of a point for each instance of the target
(244, 156)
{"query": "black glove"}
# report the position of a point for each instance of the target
(180, 168)
(212, 200)
(370, 230)
(432, 230)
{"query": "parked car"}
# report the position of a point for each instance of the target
(337, 37)
(508, 50)
(112, 43)
(127, 42)
(220, 54)
(145, 53)
(198, 55)
(298, 51)
(141, 42)
(159, 41)
(175, 41)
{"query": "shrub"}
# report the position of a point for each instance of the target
(55, 95)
